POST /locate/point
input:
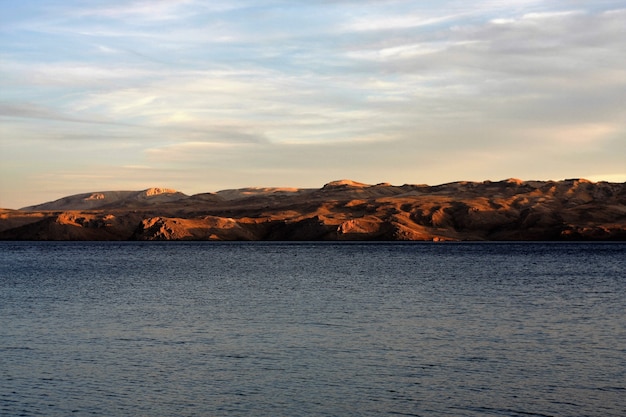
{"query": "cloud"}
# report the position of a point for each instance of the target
(379, 23)
(40, 114)
(153, 10)
(439, 89)
(513, 62)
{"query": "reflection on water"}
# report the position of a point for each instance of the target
(198, 329)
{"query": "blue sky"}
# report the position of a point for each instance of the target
(201, 96)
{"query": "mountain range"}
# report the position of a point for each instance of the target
(512, 209)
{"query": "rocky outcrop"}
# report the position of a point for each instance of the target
(72, 225)
(341, 210)
(205, 228)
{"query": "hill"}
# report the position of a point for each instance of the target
(512, 209)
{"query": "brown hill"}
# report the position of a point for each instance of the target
(341, 210)
(111, 199)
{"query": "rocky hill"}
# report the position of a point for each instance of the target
(111, 200)
(512, 209)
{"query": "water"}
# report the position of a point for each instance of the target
(271, 329)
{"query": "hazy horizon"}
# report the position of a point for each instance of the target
(200, 97)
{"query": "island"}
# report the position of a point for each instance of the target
(507, 210)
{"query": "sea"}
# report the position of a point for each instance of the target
(312, 329)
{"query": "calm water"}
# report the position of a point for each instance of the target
(261, 329)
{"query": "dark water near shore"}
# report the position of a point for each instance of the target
(267, 329)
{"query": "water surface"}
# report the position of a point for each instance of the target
(319, 329)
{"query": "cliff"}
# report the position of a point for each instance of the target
(341, 210)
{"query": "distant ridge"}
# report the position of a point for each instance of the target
(511, 209)
(105, 199)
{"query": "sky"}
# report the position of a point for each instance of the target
(202, 96)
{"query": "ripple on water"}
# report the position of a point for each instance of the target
(200, 329)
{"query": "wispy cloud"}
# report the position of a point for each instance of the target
(153, 10)
(397, 89)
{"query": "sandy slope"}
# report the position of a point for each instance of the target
(340, 210)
